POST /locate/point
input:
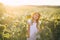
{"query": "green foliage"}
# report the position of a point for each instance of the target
(15, 28)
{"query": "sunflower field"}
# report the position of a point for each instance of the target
(13, 22)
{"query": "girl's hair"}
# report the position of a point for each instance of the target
(38, 22)
(35, 13)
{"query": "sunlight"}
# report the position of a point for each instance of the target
(30, 2)
(11, 2)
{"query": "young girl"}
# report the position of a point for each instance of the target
(33, 26)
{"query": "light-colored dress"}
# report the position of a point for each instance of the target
(33, 30)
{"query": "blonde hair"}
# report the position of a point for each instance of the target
(35, 13)
(38, 22)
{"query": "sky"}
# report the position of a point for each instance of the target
(30, 2)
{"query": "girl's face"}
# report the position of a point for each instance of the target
(36, 16)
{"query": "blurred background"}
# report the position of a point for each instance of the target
(13, 21)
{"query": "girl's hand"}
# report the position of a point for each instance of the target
(28, 35)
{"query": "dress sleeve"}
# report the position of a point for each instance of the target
(29, 21)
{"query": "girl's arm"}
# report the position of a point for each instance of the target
(39, 29)
(28, 32)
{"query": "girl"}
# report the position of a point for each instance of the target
(33, 26)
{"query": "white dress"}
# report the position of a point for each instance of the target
(33, 31)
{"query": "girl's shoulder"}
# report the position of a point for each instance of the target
(39, 22)
(29, 21)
